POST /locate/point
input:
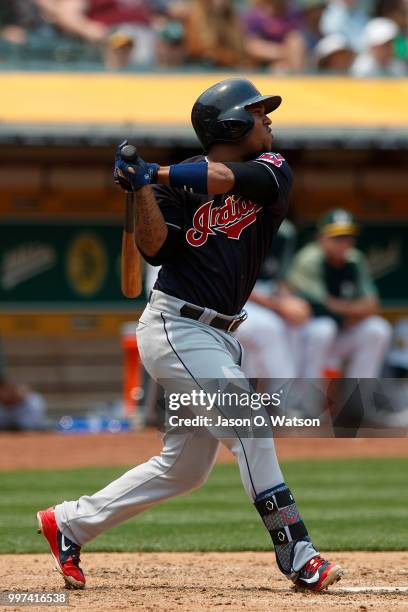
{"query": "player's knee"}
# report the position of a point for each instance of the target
(377, 330)
(323, 330)
(194, 479)
(188, 475)
(199, 480)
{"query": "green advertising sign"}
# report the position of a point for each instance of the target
(76, 265)
(60, 264)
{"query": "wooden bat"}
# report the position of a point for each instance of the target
(131, 263)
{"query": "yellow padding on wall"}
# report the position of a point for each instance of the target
(167, 99)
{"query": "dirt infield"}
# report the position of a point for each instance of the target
(43, 450)
(198, 581)
(212, 581)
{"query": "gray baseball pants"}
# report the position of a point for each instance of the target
(176, 348)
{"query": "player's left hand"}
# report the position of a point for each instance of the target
(133, 176)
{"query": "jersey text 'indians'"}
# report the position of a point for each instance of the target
(231, 218)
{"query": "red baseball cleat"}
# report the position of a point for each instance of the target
(318, 574)
(64, 551)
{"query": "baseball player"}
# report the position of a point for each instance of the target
(208, 222)
(332, 275)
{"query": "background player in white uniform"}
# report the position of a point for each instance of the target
(209, 223)
(346, 330)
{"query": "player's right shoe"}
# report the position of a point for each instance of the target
(66, 553)
(317, 574)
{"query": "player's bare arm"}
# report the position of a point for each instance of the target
(360, 308)
(134, 175)
(293, 309)
(150, 228)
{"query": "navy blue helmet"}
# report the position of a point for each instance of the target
(221, 113)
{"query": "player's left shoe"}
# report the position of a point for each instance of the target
(66, 553)
(318, 574)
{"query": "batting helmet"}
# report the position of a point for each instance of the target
(220, 114)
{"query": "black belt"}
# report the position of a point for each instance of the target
(228, 325)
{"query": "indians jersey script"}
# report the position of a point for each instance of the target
(218, 243)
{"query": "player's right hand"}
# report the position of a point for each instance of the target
(294, 310)
(133, 176)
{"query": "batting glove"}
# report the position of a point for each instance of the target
(133, 176)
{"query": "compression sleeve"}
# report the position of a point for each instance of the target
(254, 181)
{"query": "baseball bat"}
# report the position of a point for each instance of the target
(131, 264)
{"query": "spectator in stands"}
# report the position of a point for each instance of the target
(169, 20)
(118, 50)
(347, 17)
(19, 19)
(29, 33)
(170, 45)
(333, 54)
(397, 11)
(379, 59)
(274, 36)
(332, 275)
(274, 314)
(122, 28)
(20, 408)
(312, 16)
(176, 9)
(214, 34)
(10, 28)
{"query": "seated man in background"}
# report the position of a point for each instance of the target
(397, 11)
(312, 12)
(123, 29)
(25, 21)
(274, 314)
(12, 23)
(20, 408)
(334, 55)
(333, 277)
(214, 36)
(347, 17)
(378, 58)
(274, 38)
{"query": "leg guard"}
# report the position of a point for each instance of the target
(280, 515)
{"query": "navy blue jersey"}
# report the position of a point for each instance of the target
(216, 244)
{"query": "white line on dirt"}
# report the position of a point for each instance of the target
(371, 589)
